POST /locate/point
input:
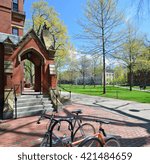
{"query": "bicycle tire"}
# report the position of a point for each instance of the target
(83, 131)
(45, 141)
(59, 129)
(91, 142)
(111, 142)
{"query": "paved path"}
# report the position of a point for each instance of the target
(129, 108)
(129, 121)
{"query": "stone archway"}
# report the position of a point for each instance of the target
(38, 61)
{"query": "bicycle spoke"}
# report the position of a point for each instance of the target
(112, 142)
(58, 134)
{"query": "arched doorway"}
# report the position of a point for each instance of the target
(31, 63)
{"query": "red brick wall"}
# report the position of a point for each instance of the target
(7, 21)
(53, 80)
(5, 16)
(21, 5)
(5, 3)
(8, 81)
(1, 79)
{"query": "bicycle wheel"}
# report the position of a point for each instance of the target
(112, 142)
(83, 131)
(60, 131)
(90, 142)
(46, 141)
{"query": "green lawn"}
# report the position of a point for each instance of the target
(111, 91)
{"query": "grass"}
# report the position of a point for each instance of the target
(111, 92)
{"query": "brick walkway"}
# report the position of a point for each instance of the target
(24, 132)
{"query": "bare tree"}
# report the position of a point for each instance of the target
(83, 67)
(100, 29)
(140, 5)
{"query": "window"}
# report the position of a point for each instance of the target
(15, 31)
(52, 69)
(15, 5)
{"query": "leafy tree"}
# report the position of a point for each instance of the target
(29, 71)
(120, 75)
(142, 66)
(68, 71)
(44, 15)
(132, 48)
(100, 29)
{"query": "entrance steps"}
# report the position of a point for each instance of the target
(32, 104)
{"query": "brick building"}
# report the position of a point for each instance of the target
(15, 48)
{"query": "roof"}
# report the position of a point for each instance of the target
(17, 40)
(14, 39)
(34, 33)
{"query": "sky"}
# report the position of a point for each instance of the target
(70, 11)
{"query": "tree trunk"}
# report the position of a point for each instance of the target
(94, 77)
(131, 77)
(83, 80)
(103, 52)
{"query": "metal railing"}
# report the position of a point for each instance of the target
(16, 86)
(66, 90)
(8, 95)
(53, 94)
(13, 89)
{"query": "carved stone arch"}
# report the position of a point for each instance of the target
(33, 50)
(39, 61)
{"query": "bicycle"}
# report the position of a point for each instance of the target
(52, 139)
(83, 129)
(100, 139)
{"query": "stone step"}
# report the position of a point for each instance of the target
(35, 107)
(32, 103)
(31, 113)
(31, 96)
(24, 100)
(31, 92)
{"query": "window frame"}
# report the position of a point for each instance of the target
(15, 31)
(15, 5)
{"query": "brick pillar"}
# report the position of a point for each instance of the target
(53, 80)
(37, 85)
(45, 80)
(1, 80)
